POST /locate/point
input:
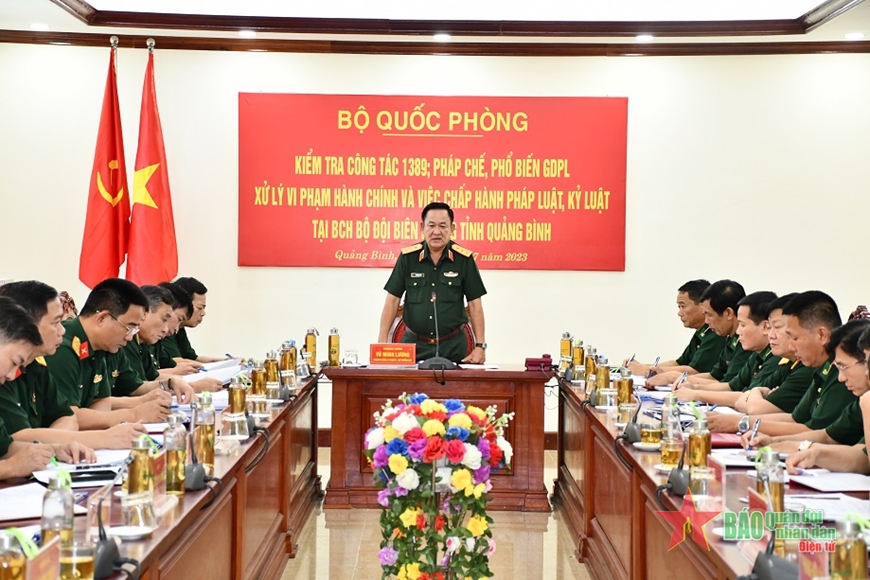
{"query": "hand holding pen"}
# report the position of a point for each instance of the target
(652, 369)
(754, 432)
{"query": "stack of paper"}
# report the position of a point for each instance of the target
(24, 502)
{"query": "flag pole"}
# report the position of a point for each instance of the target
(150, 44)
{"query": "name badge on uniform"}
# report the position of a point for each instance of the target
(451, 274)
(418, 274)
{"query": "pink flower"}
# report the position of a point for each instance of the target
(491, 550)
(455, 451)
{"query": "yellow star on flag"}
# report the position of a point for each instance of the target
(140, 183)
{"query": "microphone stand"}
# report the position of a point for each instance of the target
(437, 362)
(105, 549)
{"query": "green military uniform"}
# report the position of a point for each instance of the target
(848, 428)
(756, 372)
(162, 352)
(791, 380)
(32, 400)
(183, 343)
(453, 278)
(123, 378)
(731, 360)
(824, 400)
(78, 371)
(703, 350)
(5, 439)
(140, 357)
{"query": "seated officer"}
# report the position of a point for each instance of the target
(178, 346)
(19, 336)
(811, 318)
(843, 458)
(437, 270)
(140, 372)
(784, 390)
(847, 428)
(703, 349)
(30, 405)
(80, 368)
(752, 330)
(182, 309)
(719, 302)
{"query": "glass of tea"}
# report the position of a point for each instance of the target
(77, 561)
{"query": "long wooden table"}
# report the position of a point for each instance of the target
(252, 528)
(358, 393)
(610, 507)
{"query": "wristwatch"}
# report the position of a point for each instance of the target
(743, 425)
(480, 345)
(805, 444)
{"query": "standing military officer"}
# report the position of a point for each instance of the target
(437, 270)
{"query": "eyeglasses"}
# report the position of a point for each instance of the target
(843, 368)
(131, 330)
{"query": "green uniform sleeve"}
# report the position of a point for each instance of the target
(161, 352)
(791, 386)
(708, 351)
(130, 353)
(64, 367)
(169, 348)
(396, 283)
(737, 362)
(472, 285)
(184, 345)
(848, 428)
(834, 399)
(13, 410)
(690, 349)
(5, 439)
(55, 405)
(743, 378)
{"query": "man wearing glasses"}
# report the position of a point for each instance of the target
(80, 368)
(437, 270)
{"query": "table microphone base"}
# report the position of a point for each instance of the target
(105, 554)
(437, 363)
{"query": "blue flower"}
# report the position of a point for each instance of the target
(457, 433)
(397, 447)
(454, 405)
(417, 398)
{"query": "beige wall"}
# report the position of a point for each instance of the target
(754, 168)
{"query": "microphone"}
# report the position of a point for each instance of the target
(632, 430)
(106, 550)
(437, 362)
(678, 479)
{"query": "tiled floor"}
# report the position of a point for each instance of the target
(343, 544)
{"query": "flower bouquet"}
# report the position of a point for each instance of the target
(433, 461)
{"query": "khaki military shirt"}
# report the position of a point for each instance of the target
(78, 371)
(32, 400)
(824, 400)
(453, 279)
(703, 350)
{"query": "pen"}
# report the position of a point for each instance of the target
(681, 380)
(630, 360)
(654, 365)
(754, 431)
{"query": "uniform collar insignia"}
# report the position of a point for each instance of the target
(17, 373)
(450, 255)
(40, 360)
(422, 255)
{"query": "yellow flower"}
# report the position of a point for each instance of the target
(398, 463)
(390, 433)
(433, 427)
(409, 517)
(460, 420)
(461, 479)
(476, 490)
(476, 411)
(409, 572)
(430, 406)
(477, 525)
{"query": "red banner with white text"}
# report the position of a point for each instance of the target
(340, 180)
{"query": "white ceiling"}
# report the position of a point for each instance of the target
(487, 10)
(21, 14)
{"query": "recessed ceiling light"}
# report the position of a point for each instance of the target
(247, 33)
(39, 26)
(854, 36)
(644, 37)
(442, 37)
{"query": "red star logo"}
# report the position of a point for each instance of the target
(690, 520)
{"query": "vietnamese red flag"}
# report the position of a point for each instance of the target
(104, 243)
(153, 254)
